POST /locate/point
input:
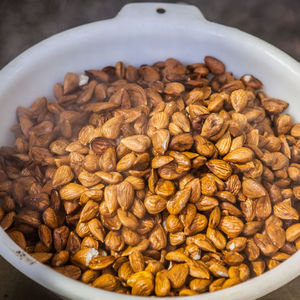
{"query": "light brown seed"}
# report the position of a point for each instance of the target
(239, 155)
(162, 284)
(137, 143)
(220, 168)
(141, 283)
(137, 262)
(107, 282)
(125, 194)
(293, 232)
(285, 211)
(155, 204)
(178, 274)
(231, 225)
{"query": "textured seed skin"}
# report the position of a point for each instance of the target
(159, 180)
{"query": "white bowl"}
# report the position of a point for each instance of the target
(141, 35)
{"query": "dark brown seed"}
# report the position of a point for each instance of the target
(100, 145)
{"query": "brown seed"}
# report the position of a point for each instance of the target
(97, 229)
(295, 131)
(252, 227)
(62, 176)
(181, 121)
(101, 262)
(45, 235)
(203, 146)
(160, 161)
(111, 128)
(208, 186)
(136, 182)
(285, 211)
(60, 259)
(220, 168)
(182, 142)
(200, 285)
(126, 162)
(252, 188)
(276, 234)
(265, 244)
(274, 106)
(263, 207)
(239, 100)
(231, 225)
(216, 237)
(165, 188)
(19, 238)
(114, 241)
(173, 224)
(127, 219)
(174, 88)
(178, 274)
(107, 161)
(72, 191)
(100, 144)
(218, 270)
(162, 284)
(224, 143)
(214, 65)
(239, 155)
(136, 260)
(42, 257)
(29, 217)
(137, 143)
(110, 197)
(155, 204)
(293, 232)
(70, 271)
(83, 256)
(60, 237)
(160, 141)
(178, 201)
(158, 238)
(89, 211)
(212, 125)
(125, 194)
(237, 244)
(199, 224)
(71, 82)
(8, 220)
(141, 283)
(125, 271)
(159, 120)
(107, 282)
(198, 269)
(89, 242)
(50, 218)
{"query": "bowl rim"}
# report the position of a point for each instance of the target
(65, 286)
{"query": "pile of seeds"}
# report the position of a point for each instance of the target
(163, 180)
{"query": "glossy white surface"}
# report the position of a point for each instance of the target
(140, 35)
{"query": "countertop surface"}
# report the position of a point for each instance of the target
(26, 22)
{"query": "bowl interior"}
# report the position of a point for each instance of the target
(34, 73)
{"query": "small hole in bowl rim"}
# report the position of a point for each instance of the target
(160, 10)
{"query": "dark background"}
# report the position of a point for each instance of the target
(26, 22)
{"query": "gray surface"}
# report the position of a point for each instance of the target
(26, 22)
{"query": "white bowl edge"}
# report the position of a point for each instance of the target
(33, 60)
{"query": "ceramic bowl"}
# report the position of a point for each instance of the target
(140, 34)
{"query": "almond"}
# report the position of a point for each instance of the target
(220, 168)
(137, 143)
(239, 155)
